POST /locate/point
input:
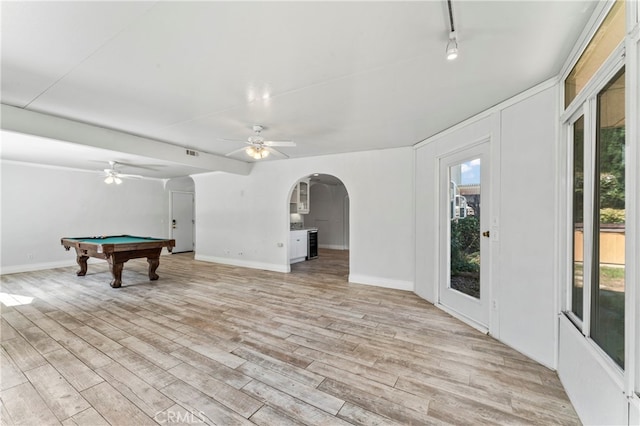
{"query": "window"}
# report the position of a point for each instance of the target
(604, 41)
(596, 270)
(598, 220)
(608, 282)
(577, 290)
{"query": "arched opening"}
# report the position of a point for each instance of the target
(319, 226)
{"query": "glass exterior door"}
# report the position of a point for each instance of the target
(464, 271)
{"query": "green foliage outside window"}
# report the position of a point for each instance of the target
(612, 169)
(465, 245)
(608, 215)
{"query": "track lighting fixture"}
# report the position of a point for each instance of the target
(452, 47)
(452, 44)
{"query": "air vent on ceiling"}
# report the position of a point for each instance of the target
(192, 153)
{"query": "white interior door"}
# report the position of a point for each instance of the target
(182, 221)
(464, 233)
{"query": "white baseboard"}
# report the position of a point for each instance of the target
(30, 267)
(243, 263)
(332, 246)
(470, 322)
(381, 282)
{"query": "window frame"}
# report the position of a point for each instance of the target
(598, 17)
(632, 332)
(595, 209)
(587, 234)
(594, 27)
(589, 111)
(585, 104)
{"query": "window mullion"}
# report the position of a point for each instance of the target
(589, 200)
(570, 248)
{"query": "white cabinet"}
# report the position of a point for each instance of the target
(298, 246)
(300, 198)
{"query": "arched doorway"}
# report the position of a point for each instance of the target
(324, 208)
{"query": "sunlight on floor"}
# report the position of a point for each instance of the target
(14, 299)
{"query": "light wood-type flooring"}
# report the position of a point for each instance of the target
(213, 344)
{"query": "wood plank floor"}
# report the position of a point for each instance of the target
(212, 344)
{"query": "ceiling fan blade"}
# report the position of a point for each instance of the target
(280, 143)
(235, 152)
(235, 140)
(128, 176)
(276, 152)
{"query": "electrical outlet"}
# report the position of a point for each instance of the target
(30, 256)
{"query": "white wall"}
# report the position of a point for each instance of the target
(241, 219)
(595, 393)
(183, 184)
(327, 213)
(522, 134)
(528, 255)
(40, 205)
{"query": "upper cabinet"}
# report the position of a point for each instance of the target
(300, 197)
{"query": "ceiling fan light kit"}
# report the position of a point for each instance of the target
(112, 179)
(113, 176)
(260, 148)
(256, 153)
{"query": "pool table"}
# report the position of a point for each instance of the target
(117, 250)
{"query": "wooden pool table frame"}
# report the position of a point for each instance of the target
(118, 253)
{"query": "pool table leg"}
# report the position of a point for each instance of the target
(116, 271)
(82, 262)
(154, 262)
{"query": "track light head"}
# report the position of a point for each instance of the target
(452, 47)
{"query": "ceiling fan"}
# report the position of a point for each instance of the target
(259, 147)
(112, 175)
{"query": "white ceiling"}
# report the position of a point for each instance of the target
(333, 76)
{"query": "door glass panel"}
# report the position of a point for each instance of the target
(577, 293)
(607, 312)
(464, 220)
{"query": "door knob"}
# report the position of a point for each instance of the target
(486, 234)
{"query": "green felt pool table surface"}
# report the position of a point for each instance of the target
(119, 239)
